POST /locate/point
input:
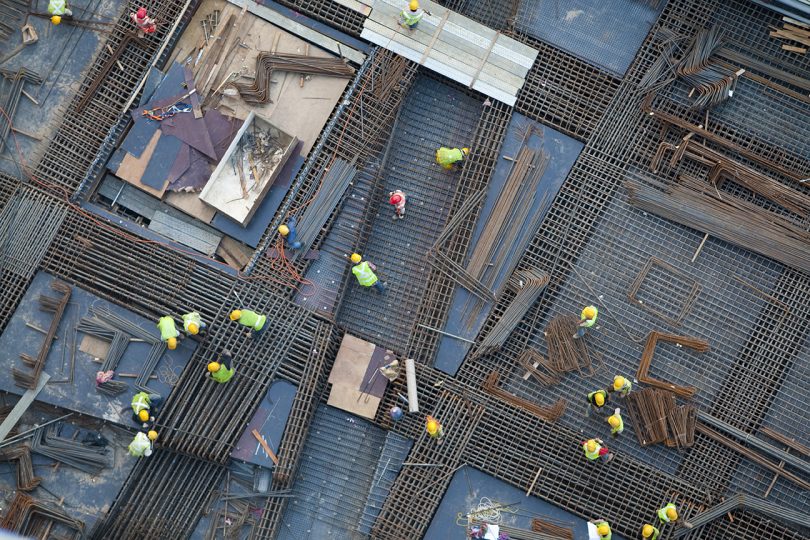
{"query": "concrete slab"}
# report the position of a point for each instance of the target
(563, 151)
(270, 419)
(82, 396)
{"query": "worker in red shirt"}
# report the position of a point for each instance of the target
(397, 198)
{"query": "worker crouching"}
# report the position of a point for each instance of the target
(587, 320)
(193, 324)
(434, 429)
(168, 332)
(648, 532)
(597, 400)
(221, 371)
(144, 407)
(58, 9)
(599, 529)
(364, 272)
(289, 232)
(145, 24)
(616, 422)
(594, 450)
(621, 385)
(397, 198)
(450, 158)
(142, 444)
(251, 319)
(668, 514)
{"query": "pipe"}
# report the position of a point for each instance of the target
(410, 375)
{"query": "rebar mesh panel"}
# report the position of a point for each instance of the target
(333, 13)
(13, 287)
(433, 115)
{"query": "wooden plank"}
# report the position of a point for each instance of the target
(354, 5)
(131, 168)
(302, 31)
(190, 203)
(22, 405)
(270, 453)
(188, 234)
(791, 48)
(496, 93)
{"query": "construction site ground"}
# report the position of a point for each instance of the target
(609, 182)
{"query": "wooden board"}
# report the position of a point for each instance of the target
(191, 204)
(131, 169)
(346, 378)
(95, 347)
(235, 253)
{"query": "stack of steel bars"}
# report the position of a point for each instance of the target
(26, 481)
(89, 458)
(34, 519)
(11, 99)
(712, 82)
(648, 409)
(564, 352)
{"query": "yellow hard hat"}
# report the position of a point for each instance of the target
(143, 415)
(213, 367)
(603, 529)
(356, 258)
(56, 19)
(152, 435)
(283, 230)
(599, 399)
(235, 314)
(614, 421)
(193, 328)
(647, 530)
(172, 343)
(589, 312)
(413, 5)
(466, 151)
(591, 445)
(672, 514)
(432, 425)
(618, 382)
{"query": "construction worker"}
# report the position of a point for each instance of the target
(141, 445)
(145, 24)
(599, 529)
(411, 15)
(168, 332)
(622, 385)
(251, 319)
(144, 407)
(434, 428)
(193, 323)
(594, 450)
(58, 9)
(221, 371)
(397, 198)
(449, 158)
(668, 514)
(616, 422)
(597, 400)
(290, 233)
(364, 272)
(588, 319)
(648, 532)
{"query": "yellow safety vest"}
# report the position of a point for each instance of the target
(57, 7)
(591, 455)
(662, 513)
(252, 319)
(192, 317)
(140, 402)
(167, 328)
(447, 156)
(365, 276)
(589, 322)
(410, 18)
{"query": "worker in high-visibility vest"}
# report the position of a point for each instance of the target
(141, 445)
(410, 16)
(168, 332)
(58, 9)
(597, 400)
(251, 319)
(668, 514)
(434, 428)
(594, 450)
(622, 385)
(364, 272)
(587, 320)
(221, 371)
(144, 407)
(648, 532)
(193, 323)
(289, 231)
(616, 422)
(449, 158)
(599, 529)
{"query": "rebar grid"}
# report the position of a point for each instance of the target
(162, 498)
(746, 525)
(333, 13)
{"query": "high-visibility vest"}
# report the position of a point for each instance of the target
(252, 319)
(140, 445)
(609, 535)
(167, 328)
(140, 402)
(410, 18)
(589, 322)
(365, 276)
(655, 534)
(626, 387)
(57, 7)
(592, 395)
(192, 317)
(223, 374)
(620, 427)
(662, 512)
(447, 156)
(591, 455)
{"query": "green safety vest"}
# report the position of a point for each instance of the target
(655, 534)
(609, 535)
(252, 319)
(140, 402)
(140, 445)
(411, 18)
(592, 395)
(167, 328)
(589, 322)
(662, 513)
(192, 317)
(223, 375)
(57, 7)
(365, 276)
(591, 455)
(447, 156)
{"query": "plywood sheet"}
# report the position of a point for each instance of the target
(131, 169)
(346, 378)
(191, 204)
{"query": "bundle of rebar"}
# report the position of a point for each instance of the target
(550, 414)
(713, 83)
(552, 529)
(268, 63)
(520, 534)
(333, 184)
(538, 367)
(11, 13)
(734, 221)
(743, 501)
(26, 481)
(653, 338)
(93, 326)
(34, 519)
(564, 352)
(11, 99)
(648, 409)
(51, 305)
(527, 284)
(79, 455)
(681, 422)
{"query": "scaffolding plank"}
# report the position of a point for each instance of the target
(22, 405)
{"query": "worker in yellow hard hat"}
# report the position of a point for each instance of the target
(616, 422)
(364, 272)
(144, 408)
(251, 319)
(434, 428)
(58, 9)
(193, 323)
(594, 449)
(168, 332)
(141, 445)
(599, 529)
(622, 385)
(648, 532)
(221, 370)
(587, 320)
(668, 514)
(289, 231)
(450, 158)
(597, 399)
(410, 16)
